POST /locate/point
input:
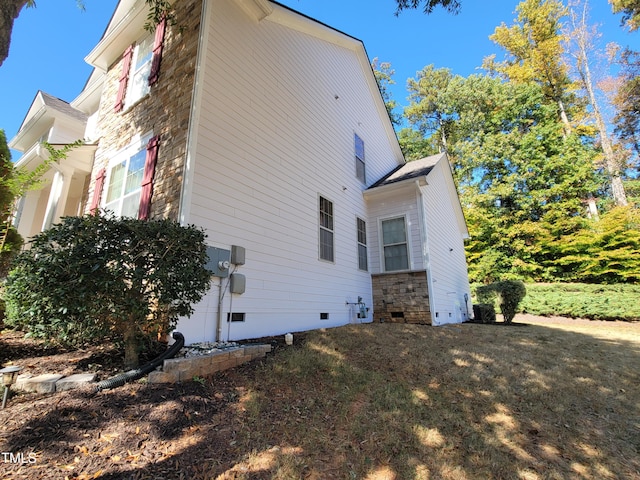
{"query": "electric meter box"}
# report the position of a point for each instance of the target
(219, 260)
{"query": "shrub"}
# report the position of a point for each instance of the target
(508, 293)
(91, 277)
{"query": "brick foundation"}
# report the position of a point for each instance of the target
(401, 297)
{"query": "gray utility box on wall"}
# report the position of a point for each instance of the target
(219, 261)
(237, 255)
(238, 283)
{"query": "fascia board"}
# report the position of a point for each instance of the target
(117, 38)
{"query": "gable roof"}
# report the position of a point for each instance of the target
(43, 111)
(410, 170)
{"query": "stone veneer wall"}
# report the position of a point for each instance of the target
(165, 111)
(401, 297)
(176, 370)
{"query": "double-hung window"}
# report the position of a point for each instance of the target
(395, 246)
(361, 227)
(125, 185)
(128, 181)
(326, 230)
(361, 173)
(140, 69)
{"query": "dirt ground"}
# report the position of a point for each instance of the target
(81, 434)
(138, 431)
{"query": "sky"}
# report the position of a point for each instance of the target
(49, 42)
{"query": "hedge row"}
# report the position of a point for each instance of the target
(579, 300)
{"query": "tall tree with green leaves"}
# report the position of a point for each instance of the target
(384, 76)
(521, 176)
(534, 45)
(428, 110)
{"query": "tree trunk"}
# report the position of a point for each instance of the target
(130, 344)
(9, 11)
(584, 44)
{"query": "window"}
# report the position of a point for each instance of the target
(361, 226)
(359, 156)
(125, 185)
(129, 181)
(138, 85)
(326, 230)
(140, 68)
(394, 241)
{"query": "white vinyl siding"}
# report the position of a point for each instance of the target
(269, 135)
(446, 249)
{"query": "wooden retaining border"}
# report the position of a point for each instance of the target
(176, 370)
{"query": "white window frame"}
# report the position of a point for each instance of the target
(362, 245)
(407, 243)
(138, 82)
(326, 229)
(137, 147)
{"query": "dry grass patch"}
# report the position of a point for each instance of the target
(542, 401)
(555, 399)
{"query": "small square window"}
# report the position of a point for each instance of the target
(324, 316)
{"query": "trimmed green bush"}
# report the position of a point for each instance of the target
(507, 293)
(92, 277)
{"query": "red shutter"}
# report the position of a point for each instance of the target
(124, 78)
(157, 51)
(147, 179)
(97, 191)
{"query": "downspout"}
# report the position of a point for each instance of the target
(184, 209)
(424, 238)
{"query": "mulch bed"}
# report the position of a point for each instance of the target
(138, 431)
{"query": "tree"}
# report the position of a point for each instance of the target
(427, 110)
(452, 6)
(88, 278)
(627, 101)
(582, 36)
(10, 9)
(521, 177)
(384, 76)
(534, 46)
(630, 10)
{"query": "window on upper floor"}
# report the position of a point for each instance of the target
(395, 246)
(359, 159)
(326, 230)
(361, 226)
(140, 68)
(138, 82)
(128, 180)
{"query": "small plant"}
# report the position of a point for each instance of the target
(508, 294)
(199, 380)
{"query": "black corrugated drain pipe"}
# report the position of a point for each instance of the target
(137, 373)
